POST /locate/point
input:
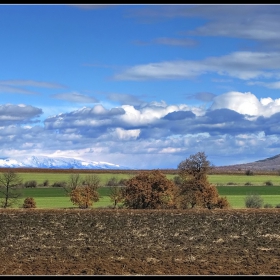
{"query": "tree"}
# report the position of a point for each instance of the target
(149, 190)
(196, 166)
(92, 181)
(10, 183)
(85, 195)
(73, 182)
(194, 187)
(115, 194)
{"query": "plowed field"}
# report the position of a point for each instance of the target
(139, 242)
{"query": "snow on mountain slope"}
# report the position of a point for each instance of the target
(56, 163)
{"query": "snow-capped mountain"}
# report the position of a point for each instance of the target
(56, 163)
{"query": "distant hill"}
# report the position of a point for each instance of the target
(56, 163)
(268, 164)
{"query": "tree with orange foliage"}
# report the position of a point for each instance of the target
(149, 190)
(85, 195)
(194, 188)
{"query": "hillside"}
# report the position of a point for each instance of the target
(268, 164)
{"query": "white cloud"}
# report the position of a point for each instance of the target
(99, 134)
(273, 85)
(247, 104)
(243, 65)
(127, 134)
(75, 97)
(243, 103)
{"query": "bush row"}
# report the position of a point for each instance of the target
(112, 182)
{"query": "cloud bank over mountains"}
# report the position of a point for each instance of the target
(237, 120)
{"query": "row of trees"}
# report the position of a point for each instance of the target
(153, 190)
(190, 189)
(146, 190)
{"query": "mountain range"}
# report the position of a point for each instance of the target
(56, 163)
(268, 164)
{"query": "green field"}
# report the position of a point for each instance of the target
(231, 186)
(236, 194)
(256, 180)
(50, 197)
(219, 180)
(59, 177)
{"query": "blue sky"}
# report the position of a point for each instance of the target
(143, 86)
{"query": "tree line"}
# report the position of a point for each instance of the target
(146, 190)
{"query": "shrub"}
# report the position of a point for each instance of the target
(249, 172)
(30, 184)
(112, 182)
(61, 184)
(231, 183)
(177, 180)
(268, 205)
(29, 202)
(223, 203)
(122, 182)
(268, 183)
(277, 205)
(253, 201)
(248, 184)
(46, 183)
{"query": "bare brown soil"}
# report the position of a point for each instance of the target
(139, 242)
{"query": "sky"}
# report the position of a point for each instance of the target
(143, 86)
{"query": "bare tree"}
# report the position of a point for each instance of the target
(73, 182)
(10, 188)
(115, 194)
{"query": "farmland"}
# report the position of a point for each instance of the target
(59, 239)
(55, 175)
(233, 186)
(50, 197)
(139, 242)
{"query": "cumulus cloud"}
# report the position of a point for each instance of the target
(18, 114)
(246, 104)
(243, 103)
(237, 120)
(127, 134)
(179, 115)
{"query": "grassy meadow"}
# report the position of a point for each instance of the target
(218, 180)
(234, 187)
